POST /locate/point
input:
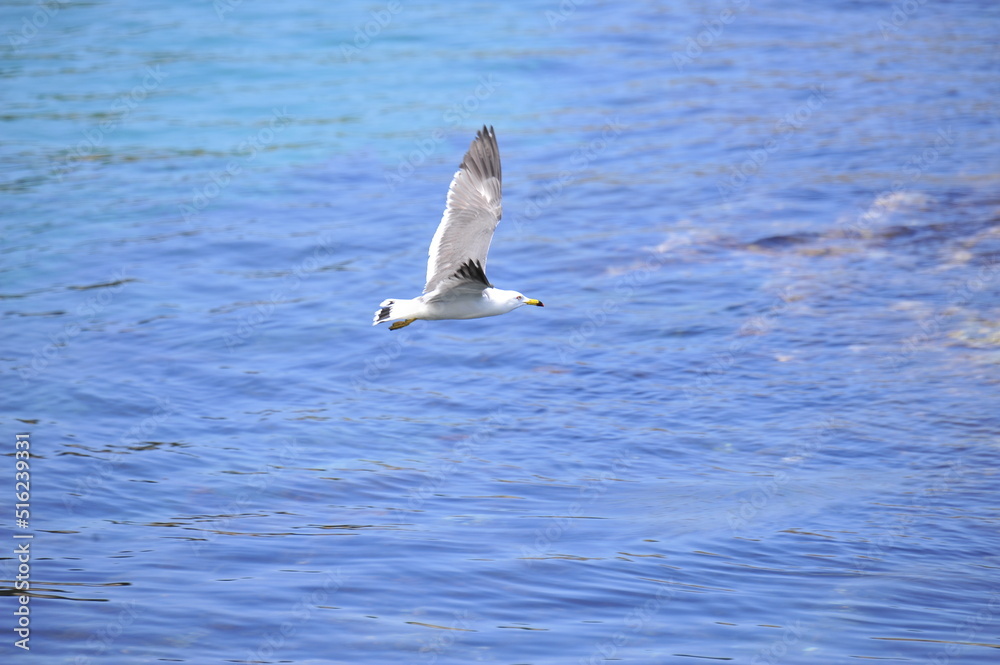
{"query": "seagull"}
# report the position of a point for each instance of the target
(457, 287)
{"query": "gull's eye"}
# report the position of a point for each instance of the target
(520, 297)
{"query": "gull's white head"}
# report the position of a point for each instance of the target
(510, 300)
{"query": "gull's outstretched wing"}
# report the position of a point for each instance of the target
(462, 240)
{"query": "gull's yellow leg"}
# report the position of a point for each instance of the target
(401, 324)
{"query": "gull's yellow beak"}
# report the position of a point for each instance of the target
(532, 301)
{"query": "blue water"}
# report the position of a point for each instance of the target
(756, 421)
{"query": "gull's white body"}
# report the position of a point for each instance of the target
(457, 287)
(491, 302)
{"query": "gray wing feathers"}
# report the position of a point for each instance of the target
(471, 214)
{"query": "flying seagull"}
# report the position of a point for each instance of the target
(457, 287)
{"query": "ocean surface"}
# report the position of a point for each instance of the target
(757, 420)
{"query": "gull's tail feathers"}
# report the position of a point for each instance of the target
(384, 313)
(391, 310)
